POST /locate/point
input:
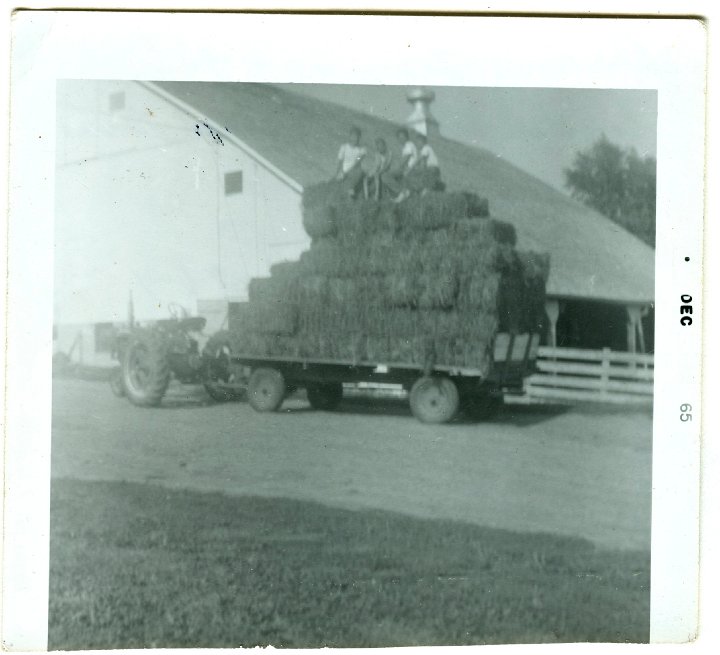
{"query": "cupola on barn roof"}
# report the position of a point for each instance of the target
(421, 119)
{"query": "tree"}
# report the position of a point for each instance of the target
(617, 183)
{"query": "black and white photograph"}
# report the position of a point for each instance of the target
(349, 364)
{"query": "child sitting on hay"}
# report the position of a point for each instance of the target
(350, 156)
(426, 175)
(395, 179)
(375, 180)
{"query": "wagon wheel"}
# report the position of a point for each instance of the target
(116, 382)
(325, 396)
(434, 399)
(266, 389)
(145, 370)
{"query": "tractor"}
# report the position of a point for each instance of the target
(151, 356)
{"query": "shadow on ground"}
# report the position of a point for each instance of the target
(138, 566)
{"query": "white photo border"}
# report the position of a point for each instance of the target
(667, 55)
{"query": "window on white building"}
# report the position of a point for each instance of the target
(233, 182)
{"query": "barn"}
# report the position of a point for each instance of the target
(180, 192)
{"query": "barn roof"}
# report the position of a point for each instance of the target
(591, 257)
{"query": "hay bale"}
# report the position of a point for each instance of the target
(431, 211)
(319, 204)
(479, 290)
(358, 219)
(351, 347)
(238, 319)
(420, 179)
(438, 289)
(323, 194)
(320, 221)
(268, 290)
(276, 318)
(325, 257)
(535, 265)
(285, 270)
(482, 232)
(377, 348)
(410, 350)
(477, 207)
(311, 288)
(453, 351)
(402, 290)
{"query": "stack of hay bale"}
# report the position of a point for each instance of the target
(431, 279)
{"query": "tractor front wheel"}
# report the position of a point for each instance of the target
(219, 378)
(266, 389)
(116, 382)
(145, 370)
(434, 399)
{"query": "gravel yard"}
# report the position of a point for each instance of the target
(579, 472)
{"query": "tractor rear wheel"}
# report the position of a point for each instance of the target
(266, 389)
(145, 370)
(434, 399)
(325, 396)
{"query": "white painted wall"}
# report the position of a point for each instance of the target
(140, 205)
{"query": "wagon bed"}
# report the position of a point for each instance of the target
(437, 391)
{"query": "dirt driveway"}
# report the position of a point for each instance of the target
(581, 472)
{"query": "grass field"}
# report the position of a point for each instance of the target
(135, 565)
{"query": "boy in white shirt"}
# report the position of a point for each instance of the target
(427, 156)
(350, 157)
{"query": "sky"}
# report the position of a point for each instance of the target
(539, 130)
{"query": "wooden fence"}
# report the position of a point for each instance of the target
(591, 375)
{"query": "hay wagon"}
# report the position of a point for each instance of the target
(429, 293)
(436, 391)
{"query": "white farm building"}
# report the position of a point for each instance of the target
(180, 192)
